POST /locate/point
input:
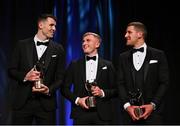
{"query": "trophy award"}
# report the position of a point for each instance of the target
(137, 99)
(39, 67)
(91, 100)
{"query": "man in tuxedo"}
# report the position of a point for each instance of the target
(87, 70)
(142, 78)
(32, 59)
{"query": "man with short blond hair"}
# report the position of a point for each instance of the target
(91, 69)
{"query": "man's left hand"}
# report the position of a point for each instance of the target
(44, 89)
(147, 110)
(96, 91)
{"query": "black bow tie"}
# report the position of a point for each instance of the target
(91, 58)
(140, 50)
(42, 43)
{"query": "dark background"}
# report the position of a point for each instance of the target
(18, 21)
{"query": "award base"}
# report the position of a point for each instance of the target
(138, 112)
(91, 101)
(38, 83)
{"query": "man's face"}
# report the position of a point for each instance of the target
(132, 36)
(48, 27)
(90, 44)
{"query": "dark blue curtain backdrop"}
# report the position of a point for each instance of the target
(105, 17)
(80, 16)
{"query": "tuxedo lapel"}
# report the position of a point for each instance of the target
(29, 47)
(130, 66)
(99, 69)
(146, 63)
(82, 67)
(49, 53)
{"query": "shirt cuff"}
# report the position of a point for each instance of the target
(127, 104)
(48, 94)
(103, 94)
(154, 105)
(76, 101)
(24, 80)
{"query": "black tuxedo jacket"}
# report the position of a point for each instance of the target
(22, 62)
(156, 76)
(76, 75)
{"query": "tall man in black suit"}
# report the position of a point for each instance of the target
(39, 52)
(91, 68)
(142, 78)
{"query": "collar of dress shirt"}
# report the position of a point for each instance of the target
(37, 39)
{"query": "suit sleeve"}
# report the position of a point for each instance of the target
(112, 92)
(14, 68)
(120, 81)
(163, 75)
(68, 81)
(60, 70)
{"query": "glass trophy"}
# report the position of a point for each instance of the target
(91, 100)
(137, 99)
(39, 67)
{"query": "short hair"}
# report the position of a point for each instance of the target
(94, 34)
(139, 26)
(43, 17)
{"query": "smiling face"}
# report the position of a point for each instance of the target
(135, 34)
(134, 37)
(47, 28)
(90, 44)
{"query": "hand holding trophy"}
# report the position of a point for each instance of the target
(39, 67)
(137, 100)
(91, 100)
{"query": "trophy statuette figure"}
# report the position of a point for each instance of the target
(39, 67)
(137, 100)
(91, 100)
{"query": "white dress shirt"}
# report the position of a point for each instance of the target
(138, 57)
(41, 48)
(91, 69)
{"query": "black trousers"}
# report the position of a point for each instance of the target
(33, 113)
(90, 117)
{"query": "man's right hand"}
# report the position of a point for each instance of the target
(82, 102)
(32, 75)
(130, 110)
